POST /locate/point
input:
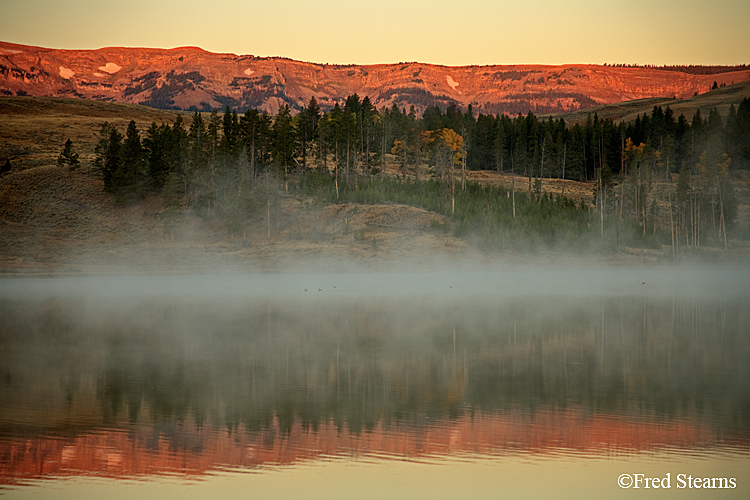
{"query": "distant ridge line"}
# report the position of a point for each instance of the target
(193, 79)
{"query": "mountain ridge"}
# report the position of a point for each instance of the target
(191, 78)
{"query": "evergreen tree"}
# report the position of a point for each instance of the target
(284, 139)
(501, 143)
(350, 139)
(333, 133)
(367, 121)
(157, 157)
(214, 126)
(198, 185)
(307, 129)
(682, 141)
(180, 145)
(198, 138)
(249, 130)
(129, 176)
(741, 133)
(107, 151)
(230, 133)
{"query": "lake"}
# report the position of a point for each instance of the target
(508, 382)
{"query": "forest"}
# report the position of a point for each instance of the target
(658, 181)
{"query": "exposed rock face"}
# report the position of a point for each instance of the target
(191, 78)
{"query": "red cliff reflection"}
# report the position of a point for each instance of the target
(193, 452)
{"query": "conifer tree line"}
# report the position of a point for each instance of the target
(220, 165)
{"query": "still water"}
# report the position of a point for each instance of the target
(509, 383)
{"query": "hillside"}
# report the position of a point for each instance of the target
(189, 78)
(52, 220)
(721, 99)
(35, 129)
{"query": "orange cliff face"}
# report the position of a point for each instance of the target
(193, 451)
(190, 78)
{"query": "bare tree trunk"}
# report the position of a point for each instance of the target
(619, 212)
(541, 168)
(565, 152)
(529, 183)
(336, 170)
(336, 180)
(452, 187)
(382, 145)
(463, 171)
(671, 226)
(722, 224)
(347, 162)
(692, 220)
(367, 153)
(677, 232)
(252, 159)
(637, 193)
(268, 210)
(602, 200)
(716, 230)
(616, 210)
(698, 225)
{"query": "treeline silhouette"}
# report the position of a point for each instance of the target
(230, 166)
(690, 68)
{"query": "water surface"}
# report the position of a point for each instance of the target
(510, 383)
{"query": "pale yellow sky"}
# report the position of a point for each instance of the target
(458, 32)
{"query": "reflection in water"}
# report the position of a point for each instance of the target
(184, 380)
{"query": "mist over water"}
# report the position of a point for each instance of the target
(126, 376)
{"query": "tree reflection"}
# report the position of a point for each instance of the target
(69, 367)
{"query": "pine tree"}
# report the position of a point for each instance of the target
(156, 155)
(283, 140)
(335, 140)
(230, 132)
(349, 128)
(129, 177)
(199, 185)
(307, 125)
(248, 135)
(214, 124)
(107, 151)
(366, 121)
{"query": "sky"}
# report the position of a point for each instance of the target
(453, 33)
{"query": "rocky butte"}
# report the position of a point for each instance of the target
(190, 78)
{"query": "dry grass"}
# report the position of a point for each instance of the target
(33, 130)
(721, 99)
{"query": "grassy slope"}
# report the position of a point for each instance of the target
(54, 220)
(33, 130)
(721, 99)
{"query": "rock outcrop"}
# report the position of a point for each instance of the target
(190, 78)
